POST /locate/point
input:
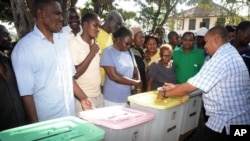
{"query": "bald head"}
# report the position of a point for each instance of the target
(114, 14)
(113, 22)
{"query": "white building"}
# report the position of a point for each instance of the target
(194, 18)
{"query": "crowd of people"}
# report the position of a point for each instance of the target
(57, 71)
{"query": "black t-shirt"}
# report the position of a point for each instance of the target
(139, 58)
(245, 54)
(11, 109)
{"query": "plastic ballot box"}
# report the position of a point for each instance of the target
(190, 112)
(120, 123)
(166, 125)
(61, 129)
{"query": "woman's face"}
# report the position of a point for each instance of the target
(92, 27)
(139, 39)
(151, 45)
(124, 43)
(165, 56)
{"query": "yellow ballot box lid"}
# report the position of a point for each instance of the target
(149, 99)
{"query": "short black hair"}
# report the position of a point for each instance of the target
(122, 32)
(220, 30)
(172, 33)
(38, 4)
(73, 10)
(2, 28)
(3, 31)
(230, 28)
(190, 33)
(243, 26)
(159, 28)
(89, 17)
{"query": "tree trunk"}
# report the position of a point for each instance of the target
(65, 4)
(23, 19)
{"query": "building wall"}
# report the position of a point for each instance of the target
(185, 23)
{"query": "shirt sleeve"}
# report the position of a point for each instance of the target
(106, 58)
(22, 65)
(77, 52)
(152, 70)
(208, 76)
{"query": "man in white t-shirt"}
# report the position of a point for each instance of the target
(73, 28)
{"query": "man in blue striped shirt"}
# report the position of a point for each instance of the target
(224, 81)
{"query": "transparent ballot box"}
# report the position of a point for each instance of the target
(61, 129)
(120, 123)
(166, 125)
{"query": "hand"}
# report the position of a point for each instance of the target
(160, 96)
(161, 93)
(168, 86)
(86, 104)
(138, 90)
(94, 47)
(138, 84)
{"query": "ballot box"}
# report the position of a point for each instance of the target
(121, 123)
(61, 129)
(166, 124)
(190, 112)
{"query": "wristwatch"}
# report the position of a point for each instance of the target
(164, 94)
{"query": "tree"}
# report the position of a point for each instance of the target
(101, 5)
(5, 13)
(155, 12)
(152, 13)
(233, 7)
(22, 17)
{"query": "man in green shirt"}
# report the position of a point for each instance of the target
(188, 60)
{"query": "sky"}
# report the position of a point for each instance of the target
(11, 28)
(128, 5)
(131, 6)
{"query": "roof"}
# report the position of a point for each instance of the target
(198, 11)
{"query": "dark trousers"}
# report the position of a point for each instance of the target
(206, 134)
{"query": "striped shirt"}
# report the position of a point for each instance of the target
(224, 80)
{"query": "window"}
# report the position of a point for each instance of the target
(191, 24)
(205, 23)
(180, 24)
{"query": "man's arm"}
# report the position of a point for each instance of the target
(177, 90)
(30, 108)
(81, 96)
